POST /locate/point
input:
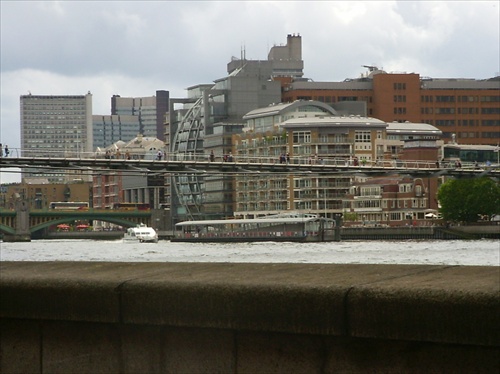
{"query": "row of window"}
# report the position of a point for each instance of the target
(428, 110)
(402, 98)
(464, 134)
(471, 123)
(460, 99)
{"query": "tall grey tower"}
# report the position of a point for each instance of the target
(57, 126)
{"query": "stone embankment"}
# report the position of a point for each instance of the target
(94, 317)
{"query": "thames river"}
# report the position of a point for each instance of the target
(426, 252)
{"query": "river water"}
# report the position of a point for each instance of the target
(428, 252)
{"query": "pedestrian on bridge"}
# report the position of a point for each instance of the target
(7, 150)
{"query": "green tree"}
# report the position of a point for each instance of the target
(463, 200)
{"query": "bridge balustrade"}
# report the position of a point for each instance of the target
(265, 161)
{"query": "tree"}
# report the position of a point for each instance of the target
(464, 200)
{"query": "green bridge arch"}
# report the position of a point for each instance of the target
(50, 218)
(7, 229)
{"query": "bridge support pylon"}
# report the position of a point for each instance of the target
(22, 233)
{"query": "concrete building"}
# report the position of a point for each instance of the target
(131, 116)
(57, 126)
(250, 84)
(468, 108)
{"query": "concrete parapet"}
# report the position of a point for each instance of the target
(227, 317)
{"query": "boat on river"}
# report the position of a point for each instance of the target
(141, 233)
(298, 228)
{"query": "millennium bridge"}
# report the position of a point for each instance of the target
(23, 224)
(201, 165)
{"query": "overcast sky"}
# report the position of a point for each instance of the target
(133, 48)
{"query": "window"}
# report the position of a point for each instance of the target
(302, 183)
(395, 216)
(362, 137)
(445, 99)
(301, 137)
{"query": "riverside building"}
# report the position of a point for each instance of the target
(310, 132)
(466, 108)
(306, 132)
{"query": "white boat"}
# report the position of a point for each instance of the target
(141, 233)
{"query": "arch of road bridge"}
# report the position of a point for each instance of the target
(7, 229)
(130, 222)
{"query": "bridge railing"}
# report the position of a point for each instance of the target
(270, 159)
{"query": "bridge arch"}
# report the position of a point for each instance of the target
(4, 229)
(118, 221)
(39, 220)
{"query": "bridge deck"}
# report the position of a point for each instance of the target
(255, 165)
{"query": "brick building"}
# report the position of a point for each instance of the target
(466, 108)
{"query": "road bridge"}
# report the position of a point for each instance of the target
(21, 224)
(201, 165)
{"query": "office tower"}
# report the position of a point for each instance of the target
(150, 112)
(55, 126)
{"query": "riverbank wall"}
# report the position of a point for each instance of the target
(96, 317)
(420, 232)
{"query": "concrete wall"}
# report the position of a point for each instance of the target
(91, 317)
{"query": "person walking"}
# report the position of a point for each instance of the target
(7, 150)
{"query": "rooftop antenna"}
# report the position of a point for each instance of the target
(243, 52)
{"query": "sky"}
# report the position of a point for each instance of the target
(133, 48)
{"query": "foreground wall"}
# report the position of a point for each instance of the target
(76, 317)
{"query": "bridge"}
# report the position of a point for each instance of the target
(21, 224)
(200, 164)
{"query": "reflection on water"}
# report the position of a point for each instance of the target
(428, 252)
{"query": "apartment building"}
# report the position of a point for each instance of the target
(301, 132)
(411, 141)
(466, 109)
(396, 200)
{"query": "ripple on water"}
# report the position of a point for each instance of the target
(456, 252)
